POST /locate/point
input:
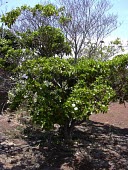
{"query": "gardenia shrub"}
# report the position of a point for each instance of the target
(57, 92)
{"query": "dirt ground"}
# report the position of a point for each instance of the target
(99, 144)
(116, 116)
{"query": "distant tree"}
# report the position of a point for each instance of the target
(103, 52)
(89, 22)
(32, 19)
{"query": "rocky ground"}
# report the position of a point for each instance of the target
(99, 144)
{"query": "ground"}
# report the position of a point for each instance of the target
(99, 144)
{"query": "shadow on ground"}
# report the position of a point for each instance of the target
(95, 146)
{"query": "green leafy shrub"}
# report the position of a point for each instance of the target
(55, 91)
(118, 77)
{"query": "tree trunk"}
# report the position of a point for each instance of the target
(67, 130)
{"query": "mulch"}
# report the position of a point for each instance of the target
(99, 144)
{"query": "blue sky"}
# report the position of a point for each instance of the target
(120, 7)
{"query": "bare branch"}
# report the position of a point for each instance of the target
(90, 22)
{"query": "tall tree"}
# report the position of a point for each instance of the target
(36, 29)
(36, 17)
(90, 22)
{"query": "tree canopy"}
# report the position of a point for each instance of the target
(39, 34)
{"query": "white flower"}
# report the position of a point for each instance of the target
(73, 105)
(25, 76)
(76, 108)
(35, 98)
(25, 97)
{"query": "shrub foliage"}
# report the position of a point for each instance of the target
(55, 91)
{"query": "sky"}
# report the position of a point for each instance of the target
(120, 7)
